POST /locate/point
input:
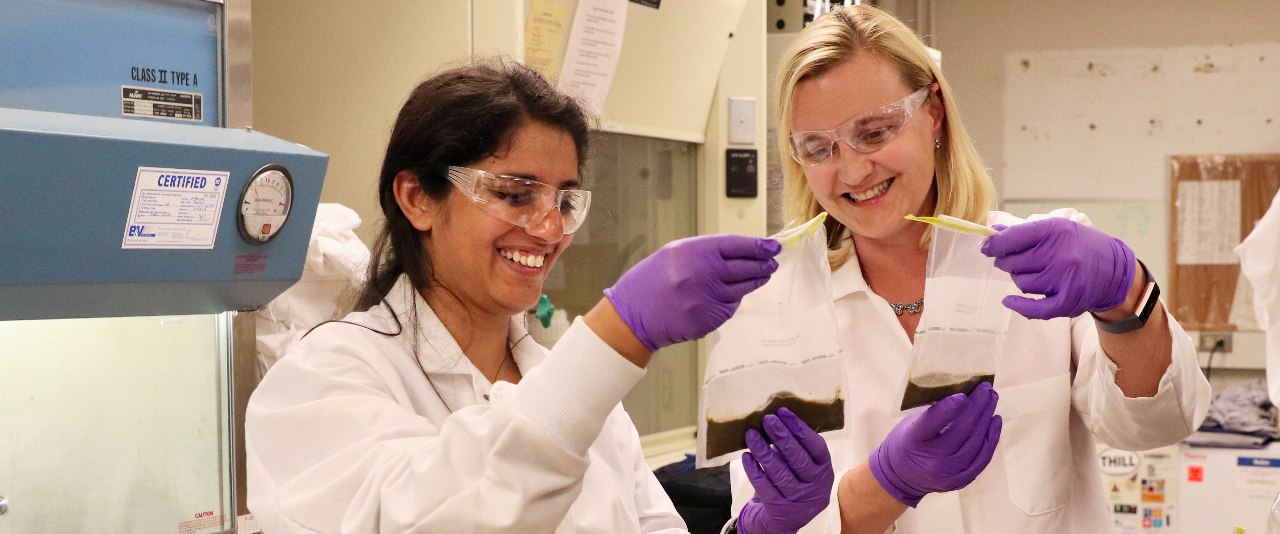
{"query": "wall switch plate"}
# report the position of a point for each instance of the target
(742, 120)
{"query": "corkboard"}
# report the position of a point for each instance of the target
(1216, 201)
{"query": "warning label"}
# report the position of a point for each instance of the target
(250, 264)
(203, 523)
(161, 104)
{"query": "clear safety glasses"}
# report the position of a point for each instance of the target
(866, 134)
(522, 201)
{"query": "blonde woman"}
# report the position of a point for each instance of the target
(871, 132)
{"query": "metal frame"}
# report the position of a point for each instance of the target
(243, 377)
(237, 81)
(237, 112)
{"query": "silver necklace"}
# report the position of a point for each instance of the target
(911, 308)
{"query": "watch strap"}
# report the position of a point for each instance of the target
(1146, 305)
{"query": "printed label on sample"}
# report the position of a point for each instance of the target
(175, 209)
(161, 104)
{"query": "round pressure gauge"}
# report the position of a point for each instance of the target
(265, 203)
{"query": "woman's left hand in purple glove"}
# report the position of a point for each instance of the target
(1075, 267)
(792, 479)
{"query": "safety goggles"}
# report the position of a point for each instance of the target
(865, 134)
(522, 201)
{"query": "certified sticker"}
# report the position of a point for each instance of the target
(175, 209)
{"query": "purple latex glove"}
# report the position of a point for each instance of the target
(942, 449)
(792, 479)
(1075, 267)
(691, 286)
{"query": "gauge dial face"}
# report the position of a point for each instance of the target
(265, 203)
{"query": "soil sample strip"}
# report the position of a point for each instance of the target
(931, 388)
(726, 436)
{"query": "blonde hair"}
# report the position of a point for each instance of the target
(964, 187)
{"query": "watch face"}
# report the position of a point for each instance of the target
(265, 204)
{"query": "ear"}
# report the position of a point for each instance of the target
(937, 110)
(417, 207)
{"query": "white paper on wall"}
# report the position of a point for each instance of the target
(1208, 222)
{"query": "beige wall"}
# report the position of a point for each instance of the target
(332, 74)
(742, 74)
(1122, 166)
(975, 35)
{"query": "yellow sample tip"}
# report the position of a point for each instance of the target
(954, 224)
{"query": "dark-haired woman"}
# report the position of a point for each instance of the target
(430, 409)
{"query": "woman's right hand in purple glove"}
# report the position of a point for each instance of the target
(691, 286)
(792, 479)
(942, 449)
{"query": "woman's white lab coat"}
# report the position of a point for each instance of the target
(346, 434)
(1260, 263)
(1057, 395)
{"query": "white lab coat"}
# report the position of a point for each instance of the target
(336, 261)
(1057, 394)
(1260, 263)
(346, 434)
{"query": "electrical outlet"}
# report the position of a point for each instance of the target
(1209, 339)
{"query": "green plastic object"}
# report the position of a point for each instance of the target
(543, 311)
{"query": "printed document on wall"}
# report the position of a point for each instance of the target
(544, 37)
(591, 57)
(1208, 222)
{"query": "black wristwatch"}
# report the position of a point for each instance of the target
(1146, 305)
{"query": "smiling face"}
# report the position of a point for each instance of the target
(491, 266)
(870, 193)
